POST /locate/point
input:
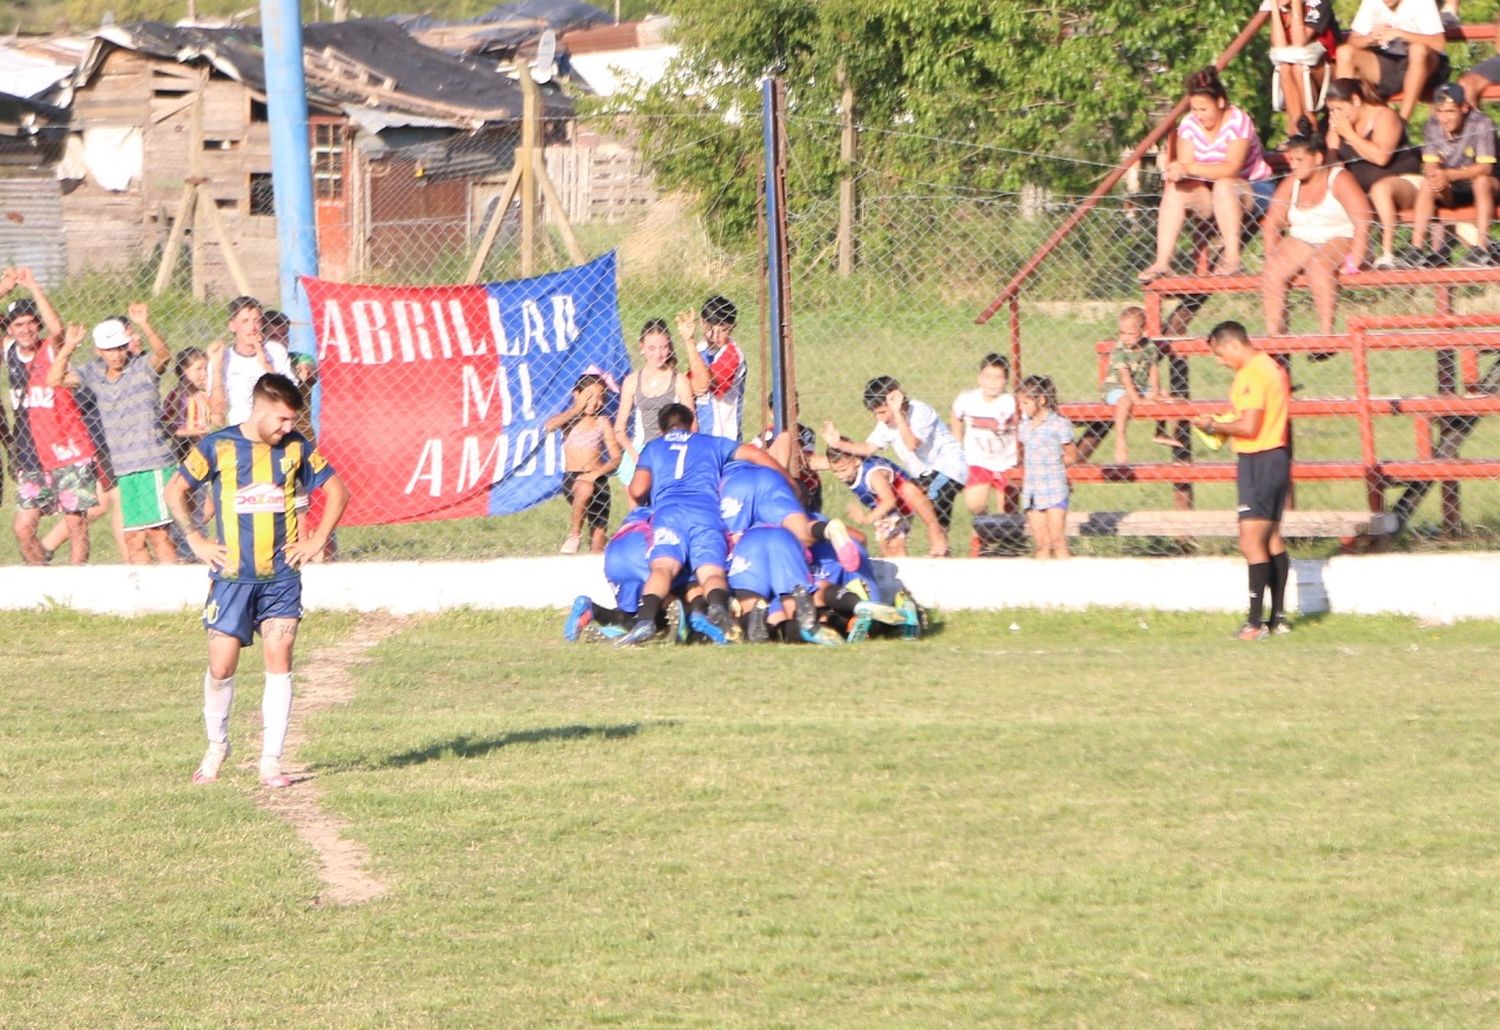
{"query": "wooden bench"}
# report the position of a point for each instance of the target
(1002, 534)
(1194, 290)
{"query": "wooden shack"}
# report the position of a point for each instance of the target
(401, 137)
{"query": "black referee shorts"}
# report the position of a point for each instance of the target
(1264, 478)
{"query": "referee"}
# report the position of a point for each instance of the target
(1260, 395)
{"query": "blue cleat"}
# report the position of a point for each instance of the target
(640, 633)
(581, 615)
(704, 625)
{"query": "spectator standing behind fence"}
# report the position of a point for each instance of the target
(1304, 38)
(52, 454)
(126, 394)
(716, 368)
(645, 392)
(590, 454)
(248, 357)
(1048, 449)
(1396, 46)
(1134, 376)
(922, 442)
(1215, 170)
(1458, 170)
(984, 420)
(1327, 218)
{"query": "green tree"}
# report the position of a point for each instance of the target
(952, 93)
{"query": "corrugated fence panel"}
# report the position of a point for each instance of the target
(31, 228)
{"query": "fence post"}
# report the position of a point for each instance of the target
(846, 183)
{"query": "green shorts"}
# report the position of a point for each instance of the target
(142, 504)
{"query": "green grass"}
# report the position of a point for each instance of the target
(1068, 823)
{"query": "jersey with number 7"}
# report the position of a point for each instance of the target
(686, 468)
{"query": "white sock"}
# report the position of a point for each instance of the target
(275, 713)
(218, 696)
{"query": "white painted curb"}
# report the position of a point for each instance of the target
(1439, 587)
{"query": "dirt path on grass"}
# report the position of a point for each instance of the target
(325, 679)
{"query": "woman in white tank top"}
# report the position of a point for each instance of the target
(1327, 221)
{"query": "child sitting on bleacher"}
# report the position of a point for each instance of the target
(1134, 374)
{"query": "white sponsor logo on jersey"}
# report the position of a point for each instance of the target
(259, 497)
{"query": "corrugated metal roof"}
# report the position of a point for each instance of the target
(31, 227)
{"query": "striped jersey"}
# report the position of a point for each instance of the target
(1205, 149)
(255, 488)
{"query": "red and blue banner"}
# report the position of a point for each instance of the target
(434, 397)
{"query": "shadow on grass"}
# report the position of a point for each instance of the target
(471, 747)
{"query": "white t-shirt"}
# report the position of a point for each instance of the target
(1419, 17)
(241, 373)
(937, 450)
(989, 429)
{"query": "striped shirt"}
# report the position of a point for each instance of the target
(130, 414)
(1205, 149)
(255, 489)
(720, 410)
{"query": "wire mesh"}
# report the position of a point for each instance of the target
(926, 260)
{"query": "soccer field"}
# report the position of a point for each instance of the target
(1112, 818)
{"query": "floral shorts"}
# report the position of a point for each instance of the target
(73, 489)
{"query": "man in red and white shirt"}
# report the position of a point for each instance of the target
(52, 452)
(716, 368)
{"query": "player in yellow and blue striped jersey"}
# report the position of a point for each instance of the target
(255, 472)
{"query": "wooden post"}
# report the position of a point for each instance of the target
(174, 240)
(564, 226)
(507, 194)
(226, 245)
(530, 140)
(527, 175)
(846, 182)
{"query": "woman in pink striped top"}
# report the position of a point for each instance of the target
(1215, 169)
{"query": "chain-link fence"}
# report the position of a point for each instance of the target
(1399, 413)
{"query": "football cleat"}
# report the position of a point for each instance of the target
(1251, 631)
(908, 608)
(1280, 628)
(808, 626)
(640, 633)
(677, 622)
(213, 761)
(581, 615)
(859, 628)
(756, 631)
(843, 544)
(704, 625)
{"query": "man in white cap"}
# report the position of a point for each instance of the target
(126, 395)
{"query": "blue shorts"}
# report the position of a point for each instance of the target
(1262, 192)
(690, 537)
(625, 564)
(769, 562)
(238, 609)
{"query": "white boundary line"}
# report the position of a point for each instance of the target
(1436, 587)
